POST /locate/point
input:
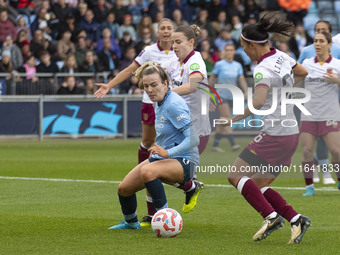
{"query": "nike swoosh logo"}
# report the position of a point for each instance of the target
(271, 224)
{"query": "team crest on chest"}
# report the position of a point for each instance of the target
(162, 118)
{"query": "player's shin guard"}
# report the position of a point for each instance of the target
(151, 207)
(254, 196)
(156, 190)
(129, 207)
(279, 203)
(308, 172)
(143, 153)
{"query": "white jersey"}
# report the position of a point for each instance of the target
(179, 73)
(156, 54)
(324, 103)
(274, 70)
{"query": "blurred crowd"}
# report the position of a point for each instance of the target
(71, 36)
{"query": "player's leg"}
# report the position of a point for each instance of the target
(239, 178)
(307, 141)
(227, 132)
(168, 171)
(332, 140)
(127, 189)
(322, 158)
(148, 139)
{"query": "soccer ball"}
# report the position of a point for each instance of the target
(167, 223)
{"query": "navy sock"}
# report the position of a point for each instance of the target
(217, 140)
(129, 208)
(156, 191)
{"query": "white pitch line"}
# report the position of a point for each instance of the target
(117, 182)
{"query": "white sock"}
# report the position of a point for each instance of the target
(295, 218)
(272, 215)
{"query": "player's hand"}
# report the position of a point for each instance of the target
(102, 91)
(331, 77)
(159, 151)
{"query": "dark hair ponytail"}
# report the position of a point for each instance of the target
(271, 22)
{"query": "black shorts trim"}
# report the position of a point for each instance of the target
(254, 160)
(187, 165)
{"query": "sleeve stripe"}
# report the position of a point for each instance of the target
(184, 127)
(262, 85)
(294, 65)
(196, 72)
(137, 62)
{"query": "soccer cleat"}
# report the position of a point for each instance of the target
(328, 180)
(268, 226)
(217, 149)
(339, 185)
(235, 147)
(126, 225)
(146, 221)
(299, 229)
(310, 191)
(191, 196)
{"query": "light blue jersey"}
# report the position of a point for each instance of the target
(227, 73)
(173, 129)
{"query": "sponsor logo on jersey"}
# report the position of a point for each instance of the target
(194, 67)
(258, 77)
(182, 116)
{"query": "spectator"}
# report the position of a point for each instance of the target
(220, 22)
(46, 64)
(187, 11)
(15, 53)
(127, 26)
(126, 86)
(120, 11)
(126, 42)
(69, 87)
(215, 6)
(69, 25)
(137, 10)
(205, 46)
(61, 10)
(6, 66)
(21, 36)
(178, 19)
(70, 65)
(81, 50)
(39, 43)
(251, 9)
(40, 22)
(81, 11)
(90, 86)
(25, 49)
(6, 27)
(106, 33)
(202, 21)
(236, 28)
(90, 26)
(223, 39)
(25, 7)
(159, 17)
(154, 7)
(145, 22)
(100, 11)
(21, 25)
(110, 23)
(65, 46)
(28, 85)
(146, 40)
(90, 65)
(296, 9)
(12, 13)
(299, 40)
(235, 7)
(107, 57)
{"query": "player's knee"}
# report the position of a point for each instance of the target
(335, 152)
(307, 152)
(147, 173)
(123, 190)
(233, 179)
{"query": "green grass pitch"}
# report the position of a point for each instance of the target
(71, 217)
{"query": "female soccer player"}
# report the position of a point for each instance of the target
(227, 71)
(323, 82)
(275, 144)
(162, 54)
(173, 157)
